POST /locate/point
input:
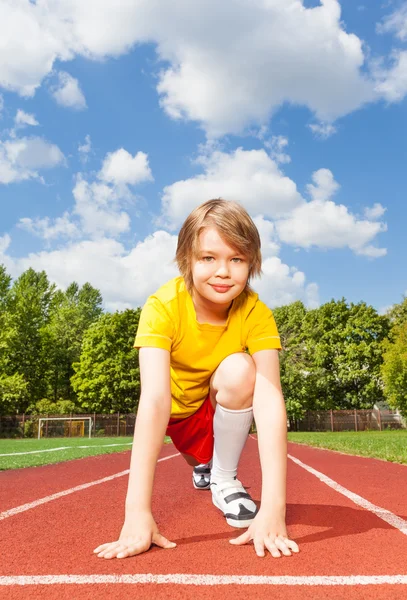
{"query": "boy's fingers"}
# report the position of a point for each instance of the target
(242, 539)
(292, 545)
(160, 540)
(101, 547)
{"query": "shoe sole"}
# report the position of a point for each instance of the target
(238, 523)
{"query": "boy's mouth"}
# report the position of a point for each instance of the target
(220, 288)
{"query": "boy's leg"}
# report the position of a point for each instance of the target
(231, 392)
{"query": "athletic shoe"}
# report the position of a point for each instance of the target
(235, 503)
(201, 476)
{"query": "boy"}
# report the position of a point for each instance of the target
(208, 359)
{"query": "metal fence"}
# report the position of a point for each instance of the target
(19, 426)
(348, 420)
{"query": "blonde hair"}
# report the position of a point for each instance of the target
(234, 225)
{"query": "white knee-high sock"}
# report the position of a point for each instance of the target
(230, 429)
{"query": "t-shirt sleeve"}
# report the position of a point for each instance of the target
(262, 333)
(156, 327)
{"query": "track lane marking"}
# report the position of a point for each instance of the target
(384, 514)
(64, 448)
(208, 580)
(19, 509)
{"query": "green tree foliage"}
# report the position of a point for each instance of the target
(331, 356)
(107, 376)
(398, 313)
(13, 392)
(28, 305)
(46, 407)
(71, 314)
(394, 369)
(293, 359)
(344, 347)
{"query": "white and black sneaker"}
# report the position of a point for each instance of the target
(201, 476)
(235, 503)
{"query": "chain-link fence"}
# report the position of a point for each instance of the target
(348, 420)
(19, 426)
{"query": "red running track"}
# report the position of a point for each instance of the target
(336, 536)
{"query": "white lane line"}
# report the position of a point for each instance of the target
(382, 513)
(64, 448)
(187, 579)
(19, 509)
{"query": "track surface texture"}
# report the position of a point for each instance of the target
(346, 550)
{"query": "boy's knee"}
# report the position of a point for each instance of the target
(234, 381)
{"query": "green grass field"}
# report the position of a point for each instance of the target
(72, 449)
(387, 445)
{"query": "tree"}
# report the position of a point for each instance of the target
(344, 354)
(293, 360)
(5, 281)
(107, 376)
(398, 312)
(71, 314)
(28, 305)
(13, 393)
(394, 369)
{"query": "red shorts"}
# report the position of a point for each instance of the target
(194, 435)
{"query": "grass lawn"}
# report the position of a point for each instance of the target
(71, 449)
(387, 445)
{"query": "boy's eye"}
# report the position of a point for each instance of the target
(238, 260)
(207, 258)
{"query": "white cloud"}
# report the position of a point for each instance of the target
(276, 146)
(125, 278)
(268, 235)
(98, 209)
(68, 93)
(322, 130)
(324, 186)
(324, 224)
(375, 212)
(395, 23)
(247, 176)
(252, 178)
(281, 285)
(49, 229)
(121, 168)
(85, 149)
(22, 119)
(21, 158)
(227, 66)
(391, 81)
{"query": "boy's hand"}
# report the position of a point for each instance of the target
(136, 537)
(267, 532)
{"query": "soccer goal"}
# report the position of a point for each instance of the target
(64, 427)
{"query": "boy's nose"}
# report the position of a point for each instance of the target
(222, 270)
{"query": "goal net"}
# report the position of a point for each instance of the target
(64, 427)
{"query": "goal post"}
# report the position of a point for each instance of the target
(67, 421)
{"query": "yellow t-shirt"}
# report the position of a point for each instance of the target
(168, 321)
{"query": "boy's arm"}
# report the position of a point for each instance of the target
(271, 422)
(140, 530)
(152, 419)
(268, 530)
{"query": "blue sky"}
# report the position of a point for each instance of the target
(115, 124)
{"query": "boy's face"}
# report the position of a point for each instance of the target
(219, 272)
